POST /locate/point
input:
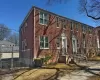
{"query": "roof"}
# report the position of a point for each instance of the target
(6, 46)
(32, 8)
(6, 43)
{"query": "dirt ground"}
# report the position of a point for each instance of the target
(57, 72)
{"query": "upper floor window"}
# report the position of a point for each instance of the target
(25, 24)
(57, 21)
(77, 25)
(83, 28)
(43, 18)
(63, 24)
(71, 26)
(90, 30)
(44, 43)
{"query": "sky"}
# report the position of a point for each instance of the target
(12, 12)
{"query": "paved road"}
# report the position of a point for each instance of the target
(94, 68)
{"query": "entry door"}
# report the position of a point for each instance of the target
(74, 44)
(64, 45)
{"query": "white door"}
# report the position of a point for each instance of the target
(64, 45)
(74, 44)
(98, 43)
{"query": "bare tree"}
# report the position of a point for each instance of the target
(4, 32)
(14, 38)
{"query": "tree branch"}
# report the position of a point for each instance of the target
(95, 18)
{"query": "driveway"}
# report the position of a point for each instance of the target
(94, 69)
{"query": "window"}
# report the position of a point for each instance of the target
(77, 26)
(57, 21)
(58, 42)
(44, 42)
(77, 43)
(25, 24)
(43, 18)
(71, 25)
(84, 44)
(83, 28)
(63, 24)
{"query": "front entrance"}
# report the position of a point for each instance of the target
(74, 44)
(63, 52)
(64, 45)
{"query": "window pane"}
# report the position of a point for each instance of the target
(58, 42)
(41, 39)
(45, 21)
(41, 20)
(46, 39)
(41, 15)
(45, 16)
(71, 25)
(41, 44)
(57, 21)
(46, 45)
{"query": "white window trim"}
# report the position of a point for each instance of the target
(43, 19)
(44, 43)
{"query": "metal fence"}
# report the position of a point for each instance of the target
(7, 63)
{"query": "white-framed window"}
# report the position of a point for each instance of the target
(72, 24)
(83, 28)
(25, 24)
(58, 42)
(77, 26)
(44, 43)
(57, 21)
(63, 24)
(43, 18)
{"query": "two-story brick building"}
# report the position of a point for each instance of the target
(43, 32)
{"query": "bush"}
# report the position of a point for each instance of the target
(38, 62)
(47, 58)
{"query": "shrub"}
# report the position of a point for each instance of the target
(38, 62)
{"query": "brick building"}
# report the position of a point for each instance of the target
(43, 32)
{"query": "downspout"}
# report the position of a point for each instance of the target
(34, 38)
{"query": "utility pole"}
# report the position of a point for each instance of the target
(12, 65)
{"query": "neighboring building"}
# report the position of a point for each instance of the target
(44, 32)
(6, 49)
